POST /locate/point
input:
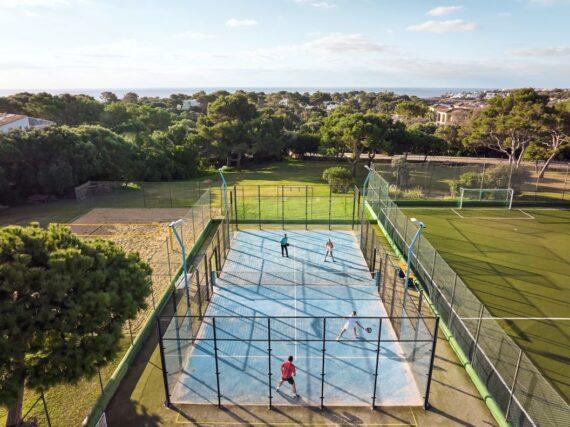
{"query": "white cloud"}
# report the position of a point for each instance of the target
(440, 27)
(318, 4)
(444, 10)
(235, 23)
(33, 3)
(192, 35)
(541, 52)
(343, 43)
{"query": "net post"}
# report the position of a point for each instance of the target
(377, 362)
(478, 331)
(217, 365)
(461, 191)
(269, 374)
(167, 402)
(431, 363)
(323, 364)
(515, 378)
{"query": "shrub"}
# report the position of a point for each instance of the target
(339, 178)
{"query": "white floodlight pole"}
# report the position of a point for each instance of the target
(173, 226)
(421, 226)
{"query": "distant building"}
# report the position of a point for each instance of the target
(187, 104)
(18, 121)
(284, 102)
(445, 115)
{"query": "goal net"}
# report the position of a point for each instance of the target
(499, 197)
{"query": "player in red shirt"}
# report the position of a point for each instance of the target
(288, 370)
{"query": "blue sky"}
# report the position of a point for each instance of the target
(56, 44)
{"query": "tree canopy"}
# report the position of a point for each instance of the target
(63, 304)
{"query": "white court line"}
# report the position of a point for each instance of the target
(515, 318)
(493, 218)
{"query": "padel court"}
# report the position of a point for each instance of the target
(266, 307)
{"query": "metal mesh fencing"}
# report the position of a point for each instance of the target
(291, 205)
(521, 391)
(434, 180)
(219, 337)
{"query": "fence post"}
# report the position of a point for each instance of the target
(306, 207)
(235, 207)
(167, 402)
(330, 202)
(100, 380)
(565, 181)
(353, 208)
(323, 364)
(475, 343)
(482, 180)
(282, 207)
(207, 277)
(393, 294)
(269, 374)
(46, 409)
(431, 363)
(421, 299)
(377, 361)
(452, 300)
(373, 258)
(197, 274)
(170, 192)
(515, 378)
(217, 366)
(130, 332)
(144, 197)
(259, 205)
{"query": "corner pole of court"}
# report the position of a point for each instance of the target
(217, 365)
(269, 374)
(377, 362)
(431, 363)
(323, 350)
(167, 402)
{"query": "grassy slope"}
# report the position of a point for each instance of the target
(68, 405)
(517, 268)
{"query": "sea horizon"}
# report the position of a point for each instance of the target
(420, 92)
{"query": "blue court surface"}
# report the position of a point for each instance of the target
(296, 292)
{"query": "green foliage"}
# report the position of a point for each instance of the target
(339, 178)
(412, 109)
(63, 304)
(302, 143)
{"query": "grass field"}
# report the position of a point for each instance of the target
(518, 264)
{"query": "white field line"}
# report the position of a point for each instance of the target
(492, 218)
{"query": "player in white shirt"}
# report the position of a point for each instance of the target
(351, 323)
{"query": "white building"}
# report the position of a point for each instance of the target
(18, 121)
(187, 104)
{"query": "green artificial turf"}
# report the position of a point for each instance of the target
(518, 267)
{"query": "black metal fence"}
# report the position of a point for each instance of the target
(283, 205)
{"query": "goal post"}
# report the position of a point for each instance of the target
(499, 197)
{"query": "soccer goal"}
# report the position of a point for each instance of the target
(500, 197)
